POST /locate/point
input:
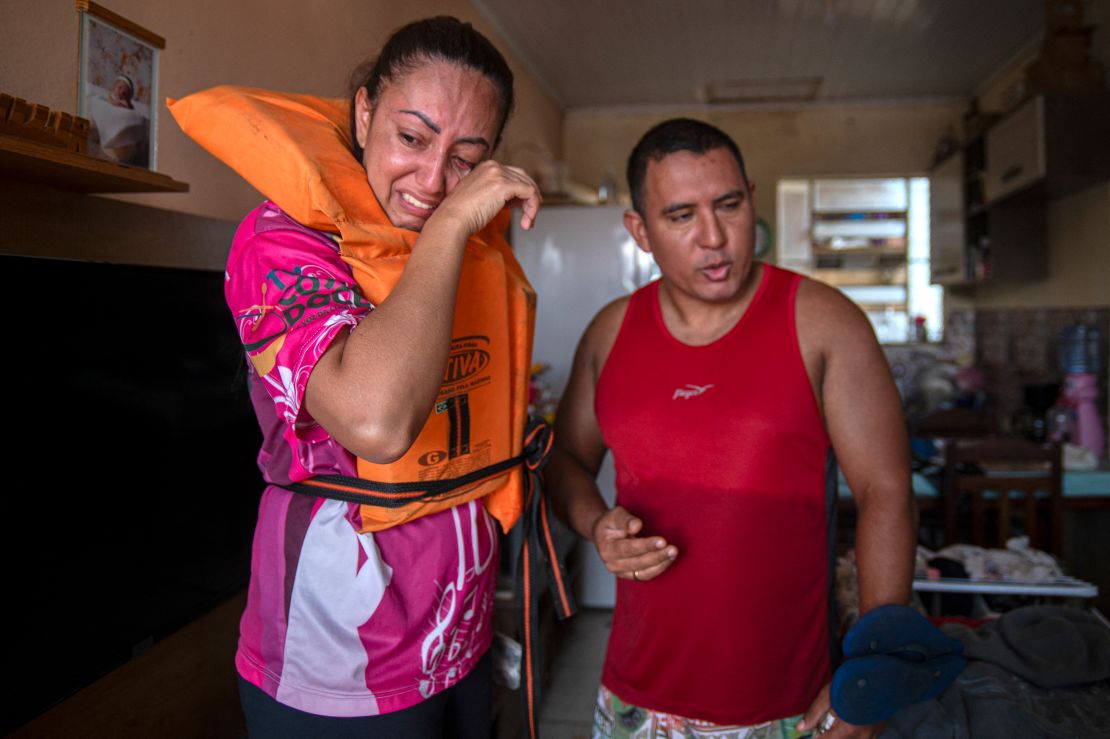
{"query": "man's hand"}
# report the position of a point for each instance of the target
(821, 707)
(571, 473)
(624, 552)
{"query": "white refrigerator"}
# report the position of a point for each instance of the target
(579, 258)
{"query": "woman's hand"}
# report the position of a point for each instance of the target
(483, 193)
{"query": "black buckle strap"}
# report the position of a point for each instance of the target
(397, 494)
(538, 559)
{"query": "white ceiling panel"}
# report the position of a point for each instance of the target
(661, 52)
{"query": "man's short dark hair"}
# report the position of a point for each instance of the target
(668, 137)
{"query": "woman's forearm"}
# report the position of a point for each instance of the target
(374, 388)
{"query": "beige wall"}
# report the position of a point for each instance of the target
(886, 138)
(291, 45)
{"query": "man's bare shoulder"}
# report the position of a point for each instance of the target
(608, 320)
(601, 334)
(826, 317)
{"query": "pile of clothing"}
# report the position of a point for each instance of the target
(1018, 562)
(1037, 671)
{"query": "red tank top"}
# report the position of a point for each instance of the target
(720, 449)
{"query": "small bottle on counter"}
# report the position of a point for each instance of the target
(918, 334)
(1061, 421)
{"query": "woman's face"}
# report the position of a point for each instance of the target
(427, 131)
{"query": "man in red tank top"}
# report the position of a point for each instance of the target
(720, 390)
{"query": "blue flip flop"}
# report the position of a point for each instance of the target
(894, 629)
(870, 689)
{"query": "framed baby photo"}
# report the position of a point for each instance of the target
(117, 86)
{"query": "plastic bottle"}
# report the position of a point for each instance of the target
(918, 332)
(1061, 421)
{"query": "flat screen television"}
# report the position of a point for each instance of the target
(131, 485)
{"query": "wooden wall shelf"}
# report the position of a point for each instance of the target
(29, 161)
(53, 223)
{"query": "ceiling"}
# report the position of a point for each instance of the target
(664, 52)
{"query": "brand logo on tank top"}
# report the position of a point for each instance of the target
(690, 391)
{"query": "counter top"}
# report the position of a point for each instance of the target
(1079, 486)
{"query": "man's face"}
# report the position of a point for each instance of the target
(698, 223)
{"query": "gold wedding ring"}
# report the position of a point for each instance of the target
(636, 575)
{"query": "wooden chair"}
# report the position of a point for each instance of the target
(957, 423)
(1006, 477)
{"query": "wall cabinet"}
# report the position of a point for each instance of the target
(1054, 142)
(1015, 151)
(990, 200)
(972, 241)
(947, 244)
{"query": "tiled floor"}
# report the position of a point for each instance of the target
(568, 704)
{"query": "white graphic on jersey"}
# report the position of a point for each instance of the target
(690, 391)
(449, 639)
(331, 589)
(286, 382)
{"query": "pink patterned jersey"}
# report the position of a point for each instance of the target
(339, 623)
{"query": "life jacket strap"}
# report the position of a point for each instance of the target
(397, 494)
(539, 561)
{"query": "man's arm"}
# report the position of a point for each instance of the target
(571, 472)
(863, 414)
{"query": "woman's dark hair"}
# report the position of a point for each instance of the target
(442, 38)
(669, 137)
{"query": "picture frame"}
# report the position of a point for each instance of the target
(117, 87)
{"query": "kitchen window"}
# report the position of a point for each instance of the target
(868, 237)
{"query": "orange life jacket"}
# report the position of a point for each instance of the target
(480, 413)
(294, 149)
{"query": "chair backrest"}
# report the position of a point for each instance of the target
(957, 423)
(1011, 478)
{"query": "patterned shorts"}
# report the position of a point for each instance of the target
(615, 719)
